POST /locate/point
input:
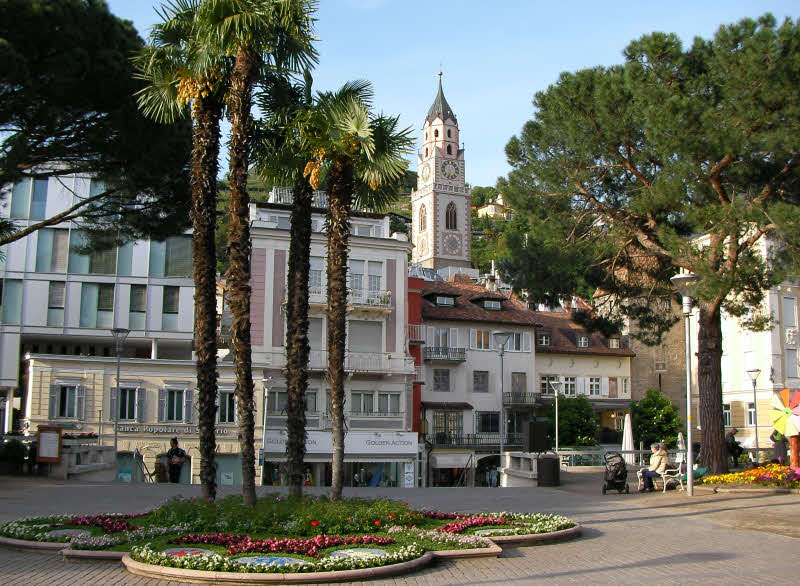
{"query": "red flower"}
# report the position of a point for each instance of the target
(315, 523)
(377, 523)
(390, 516)
(410, 524)
(349, 518)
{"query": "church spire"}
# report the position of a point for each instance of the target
(440, 107)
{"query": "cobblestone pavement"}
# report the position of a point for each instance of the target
(653, 537)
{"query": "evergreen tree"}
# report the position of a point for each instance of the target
(677, 159)
(577, 423)
(655, 419)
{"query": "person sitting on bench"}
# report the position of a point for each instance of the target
(734, 447)
(658, 463)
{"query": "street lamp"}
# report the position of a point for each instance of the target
(119, 334)
(686, 284)
(266, 382)
(753, 373)
(501, 339)
(556, 386)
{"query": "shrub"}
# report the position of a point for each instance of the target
(655, 419)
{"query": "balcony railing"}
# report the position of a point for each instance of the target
(416, 333)
(475, 440)
(445, 354)
(515, 398)
(370, 298)
(376, 413)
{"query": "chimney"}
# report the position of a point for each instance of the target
(491, 284)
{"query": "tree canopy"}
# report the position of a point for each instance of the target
(677, 159)
(67, 106)
(577, 424)
(655, 419)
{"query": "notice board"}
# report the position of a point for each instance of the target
(48, 444)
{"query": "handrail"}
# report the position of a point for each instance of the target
(445, 353)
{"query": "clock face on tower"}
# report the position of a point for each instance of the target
(449, 169)
(426, 171)
(451, 244)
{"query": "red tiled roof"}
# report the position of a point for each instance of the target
(564, 337)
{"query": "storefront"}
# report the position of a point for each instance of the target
(371, 458)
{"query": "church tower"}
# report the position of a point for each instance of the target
(440, 206)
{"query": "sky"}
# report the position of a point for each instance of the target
(494, 55)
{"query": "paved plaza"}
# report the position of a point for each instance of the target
(637, 538)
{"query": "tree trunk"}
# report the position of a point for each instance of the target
(794, 446)
(297, 347)
(239, 104)
(340, 195)
(709, 371)
(205, 153)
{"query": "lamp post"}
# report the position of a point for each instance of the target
(119, 334)
(501, 339)
(753, 373)
(265, 382)
(556, 386)
(686, 284)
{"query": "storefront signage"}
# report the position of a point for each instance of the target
(170, 430)
(320, 442)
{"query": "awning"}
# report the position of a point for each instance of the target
(456, 460)
(444, 405)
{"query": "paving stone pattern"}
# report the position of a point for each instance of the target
(637, 538)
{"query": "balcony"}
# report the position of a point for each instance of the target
(416, 334)
(445, 354)
(475, 440)
(376, 413)
(515, 398)
(370, 298)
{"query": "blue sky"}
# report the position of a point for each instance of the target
(495, 55)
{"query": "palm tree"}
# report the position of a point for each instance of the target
(281, 155)
(175, 79)
(262, 34)
(363, 155)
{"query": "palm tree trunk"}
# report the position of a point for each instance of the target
(239, 116)
(340, 195)
(297, 347)
(709, 369)
(205, 152)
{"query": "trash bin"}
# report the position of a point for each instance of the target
(548, 470)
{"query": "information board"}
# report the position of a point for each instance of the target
(48, 444)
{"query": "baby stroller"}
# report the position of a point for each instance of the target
(616, 474)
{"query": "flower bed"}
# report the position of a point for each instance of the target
(767, 475)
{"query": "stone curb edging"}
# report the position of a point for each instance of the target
(759, 490)
(211, 577)
(492, 551)
(91, 554)
(537, 538)
(36, 545)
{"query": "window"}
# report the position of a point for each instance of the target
(789, 318)
(55, 303)
(441, 338)
(171, 258)
(85, 260)
(441, 379)
(357, 277)
(791, 363)
(311, 401)
(97, 305)
(544, 339)
(174, 405)
(11, 301)
(449, 134)
(169, 308)
(435, 134)
(52, 250)
(450, 216)
(389, 403)
(449, 149)
(138, 307)
(23, 206)
(227, 407)
(751, 414)
(277, 399)
(544, 384)
(448, 422)
(626, 387)
(480, 381)
(365, 336)
(442, 300)
(519, 382)
(423, 218)
(374, 277)
(362, 402)
(583, 341)
(481, 339)
(315, 276)
(519, 342)
(594, 385)
(726, 414)
(127, 404)
(491, 304)
(487, 422)
(66, 401)
(570, 386)
(613, 342)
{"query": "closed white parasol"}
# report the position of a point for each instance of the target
(627, 440)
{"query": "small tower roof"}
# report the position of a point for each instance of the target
(440, 107)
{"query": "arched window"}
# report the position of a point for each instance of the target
(450, 217)
(426, 136)
(426, 152)
(435, 134)
(423, 219)
(449, 150)
(448, 133)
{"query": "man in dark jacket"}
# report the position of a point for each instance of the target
(734, 448)
(175, 459)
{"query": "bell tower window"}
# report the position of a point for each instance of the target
(423, 222)
(426, 152)
(435, 134)
(449, 150)
(450, 216)
(448, 133)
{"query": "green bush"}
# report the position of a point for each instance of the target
(576, 421)
(655, 419)
(12, 453)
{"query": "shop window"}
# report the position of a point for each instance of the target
(441, 379)
(227, 407)
(487, 422)
(480, 381)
